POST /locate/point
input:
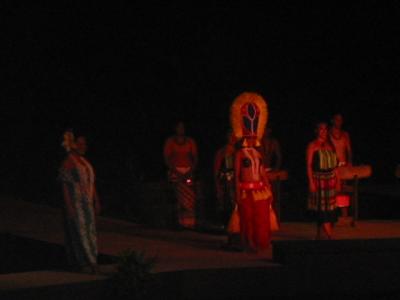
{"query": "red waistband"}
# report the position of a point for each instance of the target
(251, 185)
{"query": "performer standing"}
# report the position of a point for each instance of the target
(341, 141)
(272, 157)
(253, 191)
(81, 203)
(322, 180)
(271, 151)
(342, 144)
(224, 178)
(180, 156)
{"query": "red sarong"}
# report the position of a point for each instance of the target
(186, 204)
(254, 211)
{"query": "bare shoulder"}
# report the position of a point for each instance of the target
(169, 140)
(330, 147)
(311, 146)
(191, 140)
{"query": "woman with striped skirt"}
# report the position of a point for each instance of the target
(322, 180)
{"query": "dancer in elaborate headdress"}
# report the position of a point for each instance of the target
(249, 116)
(81, 203)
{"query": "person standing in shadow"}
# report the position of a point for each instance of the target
(81, 205)
(342, 144)
(224, 179)
(181, 157)
(271, 151)
(323, 183)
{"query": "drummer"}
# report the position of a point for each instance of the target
(271, 151)
(271, 154)
(342, 143)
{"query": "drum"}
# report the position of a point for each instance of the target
(277, 175)
(349, 172)
(342, 200)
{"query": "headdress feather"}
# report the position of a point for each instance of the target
(248, 116)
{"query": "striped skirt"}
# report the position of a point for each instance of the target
(323, 200)
(186, 198)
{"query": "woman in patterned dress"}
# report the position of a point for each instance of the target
(322, 180)
(81, 204)
(180, 156)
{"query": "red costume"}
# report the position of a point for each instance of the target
(253, 190)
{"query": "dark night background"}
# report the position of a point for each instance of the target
(123, 73)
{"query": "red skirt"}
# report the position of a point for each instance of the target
(186, 198)
(254, 212)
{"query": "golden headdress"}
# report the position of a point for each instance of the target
(249, 115)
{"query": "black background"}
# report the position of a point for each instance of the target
(123, 73)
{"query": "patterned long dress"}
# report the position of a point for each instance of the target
(78, 177)
(182, 157)
(323, 201)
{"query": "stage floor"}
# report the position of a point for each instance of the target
(175, 250)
